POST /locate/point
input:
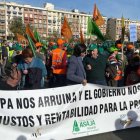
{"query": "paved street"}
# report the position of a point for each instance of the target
(128, 134)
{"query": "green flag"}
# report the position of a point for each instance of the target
(31, 45)
(93, 29)
(89, 26)
(38, 38)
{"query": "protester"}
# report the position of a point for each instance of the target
(76, 73)
(114, 67)
(133, 70)
(95, 65)
(130, 51)
(121, 55)
(59, 64)
(39, 54)
(18, 56)
(33, 69)
(4, 58)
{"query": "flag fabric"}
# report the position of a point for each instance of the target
(81, 36)
(89, 27)
(30, 33)
(123, 29)
(93, 29)
(38, 39)
(97, 17)
(31, 45)
(37, 36)
(21, 39)
(66, 30)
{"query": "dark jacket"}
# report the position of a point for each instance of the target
(33, 78)
(98, 68)
(76, 72)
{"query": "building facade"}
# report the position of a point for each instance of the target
(114, 28)
(46, 20)
(2, 22)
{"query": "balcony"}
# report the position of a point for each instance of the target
(30, 18)
(20, 13)
(2, 14)
(2, 21)
(8, 12)
(26, 18)
(14, 12)
(2, 31)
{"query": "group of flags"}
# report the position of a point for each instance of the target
(92, 29)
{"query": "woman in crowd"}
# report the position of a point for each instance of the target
(33, 69)
(76, 73)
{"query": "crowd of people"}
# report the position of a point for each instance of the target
(63, 64)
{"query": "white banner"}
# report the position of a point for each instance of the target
(133, 32)
(68, 112)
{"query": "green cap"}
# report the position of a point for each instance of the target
(92, 47)
(54, 47)
(17, 47)
(113, 48)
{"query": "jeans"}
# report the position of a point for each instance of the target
(3, 66)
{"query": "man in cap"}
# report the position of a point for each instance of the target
(114, 67)
(95, 65)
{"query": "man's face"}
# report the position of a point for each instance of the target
(95, 51)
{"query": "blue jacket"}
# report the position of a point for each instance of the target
(76, 71)
(36, 63)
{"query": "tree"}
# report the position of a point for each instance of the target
(17, 26)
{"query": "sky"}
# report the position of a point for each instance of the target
(110, 8)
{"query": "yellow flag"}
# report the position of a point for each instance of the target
(97, 17)
(66, 30)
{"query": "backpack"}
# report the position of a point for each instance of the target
(113, 72)
(14, 78)
(33, 78)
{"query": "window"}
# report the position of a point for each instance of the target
(26, 15)
(31, 15)
(49, 21)
(25, 9)
(30, 9)
(14, 12)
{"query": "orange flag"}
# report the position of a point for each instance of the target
(30, 33)
(21, 39)
(66, 30)
(81, 36)
(97, 17)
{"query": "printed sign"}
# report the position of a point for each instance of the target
(68, 112)
(133, 32)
